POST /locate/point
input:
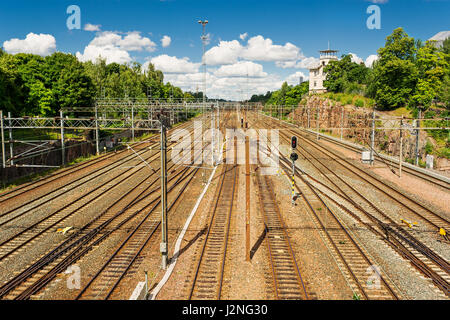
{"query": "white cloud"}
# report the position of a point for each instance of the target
(370, 60)
(168, 64)
(109, 52)
(379, 1)
(304, 63)
(227, 52)
(294, 79)
(243, 36)
(355, 58)
(92, 27)
(40, 44)
(231, 88)
(308, 63)
(133, 41)
(262, 49)
(258, 48)
(114, 47)
(165, 41)
(241, 69)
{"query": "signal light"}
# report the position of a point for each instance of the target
(294, 142)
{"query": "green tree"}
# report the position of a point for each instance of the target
(74, 88)
(395, 75)
(432, 68)
(346, 76)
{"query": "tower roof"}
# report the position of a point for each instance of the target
(329, 51)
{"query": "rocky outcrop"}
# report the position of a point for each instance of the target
(354, 124)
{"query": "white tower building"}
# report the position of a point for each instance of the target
(316, 74)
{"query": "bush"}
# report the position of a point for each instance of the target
(428, 148)
(349, 100)
(359, 103)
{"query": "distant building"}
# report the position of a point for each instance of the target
(316, 74)
(438, 38)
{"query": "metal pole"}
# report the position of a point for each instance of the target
(247, 197)
(213, 120)
(417, 136)
(342, 122)
(293, 182)
(3, 140)
(203, 58)
(63, 151)
(308, 119)
(372, 138)
(163, 246)
(132, 123)
(11, 145)
(401, 148)
(97, 148)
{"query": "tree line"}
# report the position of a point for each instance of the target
(40, 86)
(287, 95)
(408, 73)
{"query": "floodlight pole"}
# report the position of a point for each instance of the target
(204, 38)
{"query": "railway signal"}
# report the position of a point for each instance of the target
(294, 142)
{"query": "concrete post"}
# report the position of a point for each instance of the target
(308, 118)
(417, 136)
(317, 121)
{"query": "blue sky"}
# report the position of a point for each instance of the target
(282, 37)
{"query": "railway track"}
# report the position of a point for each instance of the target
(34, 278)
(64, 190)
(431, 179)
(422, 257)
(67, 175)
(352, 259)
(140, 201)
(413, 206)
(209, 272)
(109, 277)
(31, 233)
(287, 279)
